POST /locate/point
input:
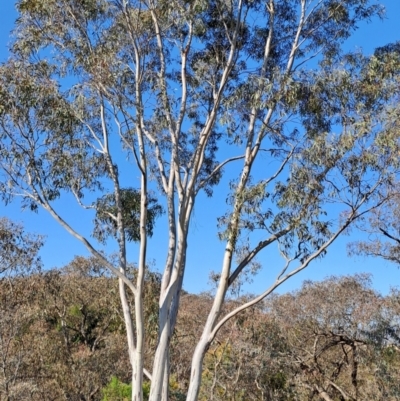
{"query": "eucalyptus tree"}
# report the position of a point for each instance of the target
(382, 225)
(190, 92)
(18, 249)
(383, 233)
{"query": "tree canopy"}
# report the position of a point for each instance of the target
(18, 249)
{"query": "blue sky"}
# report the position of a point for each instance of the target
(205, 250)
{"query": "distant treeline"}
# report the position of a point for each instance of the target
(62, 337)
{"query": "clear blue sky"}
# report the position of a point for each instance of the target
(204, 247)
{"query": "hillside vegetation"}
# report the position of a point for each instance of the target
(62, 337)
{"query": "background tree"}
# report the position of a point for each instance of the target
(62, 333)
(382, 225)
(18, 249)
(382, 228)
(327, 328)
(18, 256)
(260, 84)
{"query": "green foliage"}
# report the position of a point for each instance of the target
(277, 381)
(75, 311)
(175, 389)
(105, 224)
(117, 391)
